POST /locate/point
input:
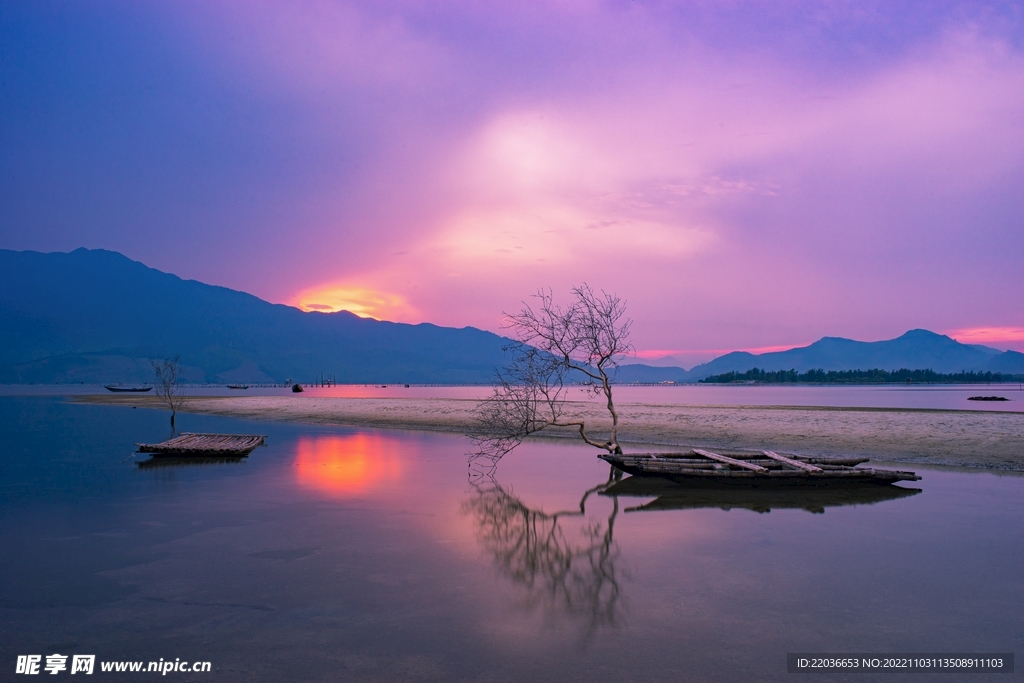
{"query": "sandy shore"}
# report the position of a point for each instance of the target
(993, 440)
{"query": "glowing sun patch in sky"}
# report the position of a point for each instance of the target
(364, 302)
(346, 465)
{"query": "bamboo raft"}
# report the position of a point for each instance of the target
(204, 445)
(699, 465)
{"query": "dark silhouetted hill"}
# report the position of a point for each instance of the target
(98, 316)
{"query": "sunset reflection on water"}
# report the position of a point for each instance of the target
(347, 465)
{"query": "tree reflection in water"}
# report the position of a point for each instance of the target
(566, 561)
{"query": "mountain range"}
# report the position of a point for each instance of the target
(914, 350)
(96, 316)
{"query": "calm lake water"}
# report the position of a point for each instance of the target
(357, 555)
(929, 396)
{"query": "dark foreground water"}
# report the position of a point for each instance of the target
(336, 554)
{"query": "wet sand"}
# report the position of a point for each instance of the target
(992, 440)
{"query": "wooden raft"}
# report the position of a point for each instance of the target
(766, 466)
(205, 445)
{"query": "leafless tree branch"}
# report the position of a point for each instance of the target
(168, 384)
(555, 347)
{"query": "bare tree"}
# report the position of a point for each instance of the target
(168, 386)
(555, 348)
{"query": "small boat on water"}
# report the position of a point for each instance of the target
(765, 468)
(126, 387)
(238, 386)
(204, 445)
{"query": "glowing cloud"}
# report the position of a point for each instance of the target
(741, 176)
(544, 187)
(366, 303)
(346, 465)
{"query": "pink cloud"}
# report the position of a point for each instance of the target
(1004, 338)
(735, 196)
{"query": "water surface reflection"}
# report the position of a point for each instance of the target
(669, 495)
(191, 461)
(346, 465)
(331, 555)
(566, 561)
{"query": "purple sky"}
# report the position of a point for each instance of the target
(746, 175)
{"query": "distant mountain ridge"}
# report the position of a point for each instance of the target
(914, 350)
(98, 316)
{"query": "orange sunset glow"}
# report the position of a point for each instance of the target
(364, 302)
(346, 465)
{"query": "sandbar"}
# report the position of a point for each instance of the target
(991, 440)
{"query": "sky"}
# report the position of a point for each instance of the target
(746, 175)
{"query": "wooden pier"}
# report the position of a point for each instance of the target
(205, 445)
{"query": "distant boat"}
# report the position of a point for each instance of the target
(238, 386)
(121, 387)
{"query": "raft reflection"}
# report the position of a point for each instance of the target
(191, 461)
(669, 495)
